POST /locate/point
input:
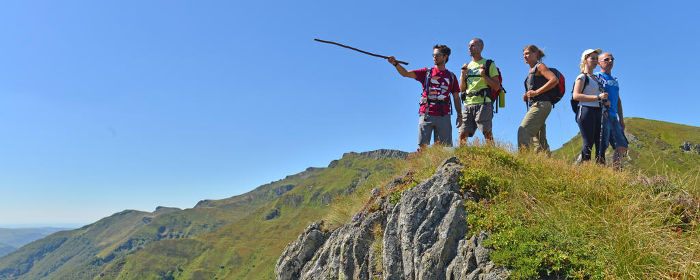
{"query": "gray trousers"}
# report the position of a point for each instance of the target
(438, 126)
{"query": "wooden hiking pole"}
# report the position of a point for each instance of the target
(358, 50)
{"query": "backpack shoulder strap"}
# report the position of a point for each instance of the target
(426, 87)
(530, 81)
(585, 81)
(488, 67)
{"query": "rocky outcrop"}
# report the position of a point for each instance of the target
(274, 213)
(384, 153)
(420, 236)
(472, 261)
(690, 147)
(376, 155)
(297, 253)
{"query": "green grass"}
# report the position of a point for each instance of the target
(549, 218)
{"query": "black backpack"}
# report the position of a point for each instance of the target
(560, 88)
(574, 103)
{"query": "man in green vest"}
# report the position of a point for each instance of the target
(476, 83)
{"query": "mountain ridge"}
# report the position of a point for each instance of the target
(85, 252)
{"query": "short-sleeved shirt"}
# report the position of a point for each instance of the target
(478, 83)
(441, 85)
(591, 88)
(610, 86)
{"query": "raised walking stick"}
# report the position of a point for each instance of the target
(358, 50)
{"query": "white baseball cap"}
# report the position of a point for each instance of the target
(589, 51)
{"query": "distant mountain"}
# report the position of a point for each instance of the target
(13, 238)
(237, 237)
(656, 147)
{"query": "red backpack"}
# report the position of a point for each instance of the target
(494, 93)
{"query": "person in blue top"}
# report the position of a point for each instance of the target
(614, 128)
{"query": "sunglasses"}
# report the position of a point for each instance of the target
(440, 54)
(608, 59)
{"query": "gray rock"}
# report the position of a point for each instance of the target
(472, 262)
(274, 213)
(422, 236)
(297, 253)
(424, 228)
(690, 147)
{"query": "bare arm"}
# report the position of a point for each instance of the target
(552, 81)
(463, 79)
(402, 71)
(457, 103)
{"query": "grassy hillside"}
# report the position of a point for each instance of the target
(86, 252)
(551, 219)
(654, 149)
(249, 248)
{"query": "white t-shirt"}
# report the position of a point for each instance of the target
(592, 88)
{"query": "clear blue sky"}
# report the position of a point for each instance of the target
(112, 105)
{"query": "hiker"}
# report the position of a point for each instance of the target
(540, 87)
(589, 93)
(435, 111)
(476, 83)
(614, 129)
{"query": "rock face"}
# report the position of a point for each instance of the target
(690, 147)
(422, 236)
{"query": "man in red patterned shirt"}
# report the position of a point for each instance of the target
(438, 85)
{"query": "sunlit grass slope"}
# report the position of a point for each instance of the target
(551, 219)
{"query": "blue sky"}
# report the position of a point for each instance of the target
(112, 105)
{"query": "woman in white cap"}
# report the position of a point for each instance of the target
(590, 95)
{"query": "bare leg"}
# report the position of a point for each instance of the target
(489, 137)
(463, 136)
(617, 158)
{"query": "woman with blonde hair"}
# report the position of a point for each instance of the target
(540, 87)
(589, 93)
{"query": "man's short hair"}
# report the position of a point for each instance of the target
(445, 50)
(479, 41)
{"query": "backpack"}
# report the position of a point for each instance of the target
(561, 86)
(574, 103)
(495, 93)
